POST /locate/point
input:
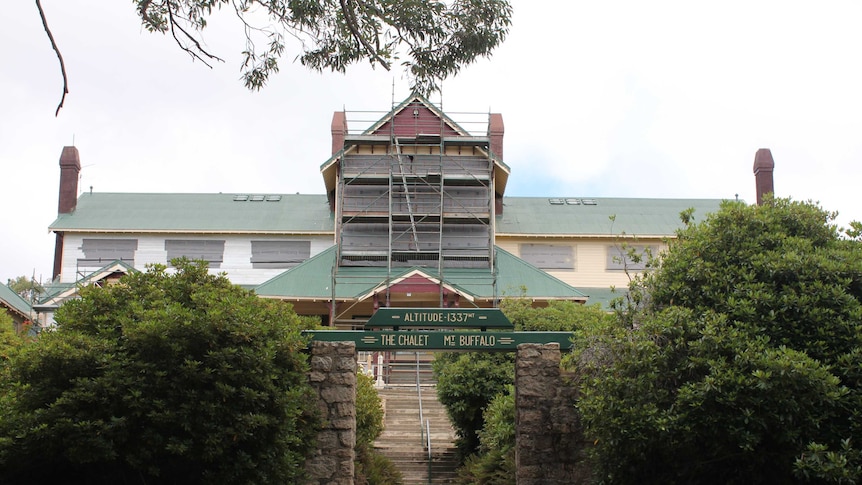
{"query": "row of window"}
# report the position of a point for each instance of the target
(287, 254)
(558, 256)
(264, 254)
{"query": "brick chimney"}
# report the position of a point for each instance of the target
(763, 165)
(70, 168)
(339, 130)
(495, 134)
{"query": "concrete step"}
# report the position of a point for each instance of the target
(401, 440)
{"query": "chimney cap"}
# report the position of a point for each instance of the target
(763, 161)
(70, 157)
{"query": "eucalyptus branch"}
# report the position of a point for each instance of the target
(191, 38)
(59, 57)
(142, 10)
(352, 24)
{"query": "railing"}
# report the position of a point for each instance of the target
(424, 424)
(428, 441)
(472, 123)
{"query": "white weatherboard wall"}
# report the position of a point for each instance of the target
(236, 261)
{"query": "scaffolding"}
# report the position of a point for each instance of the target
(415, 190)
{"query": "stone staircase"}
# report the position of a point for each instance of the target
(401, 440)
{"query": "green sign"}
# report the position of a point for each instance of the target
(480, 318)
(440, 340)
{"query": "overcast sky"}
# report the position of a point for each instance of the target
(599, 99)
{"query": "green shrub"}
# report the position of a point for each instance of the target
(466, 384)
(369, 411)
(494, 464)
(164, 377)
(372, 468)
(740, 362)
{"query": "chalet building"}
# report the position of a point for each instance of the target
(414, 213)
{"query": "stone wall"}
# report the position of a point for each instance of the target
(333, 376)
(549, 446)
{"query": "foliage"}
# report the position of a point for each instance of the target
(466, 384)
(493, 467)
(558, 316)
(498, 433)
(369, 411)
(162, 378)
(372, 468)
(9, 340)
(693, 400)
(27, 288)
(434, 39)
(494, 464)
(743, 363)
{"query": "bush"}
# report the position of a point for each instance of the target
(466, 384)
(369, 411)
(372, 468)
(162, 378)
(494, 464)
(741, 361)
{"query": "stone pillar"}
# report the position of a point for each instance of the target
(549, 446)
(333, 376)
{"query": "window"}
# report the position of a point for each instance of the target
(629, 257)
(548, 256)
(279, 254)
(211, 251)
(99, 252)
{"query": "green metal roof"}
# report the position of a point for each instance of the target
(309, 214)
(591, 216)
(313, 280)
(14, 301)
(604, 295)
(56, 293)
(248, 213)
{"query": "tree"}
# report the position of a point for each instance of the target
(742, 362)
(27, 288)
(162, 378)
(9, 340)
(468, 382)
(433, 40)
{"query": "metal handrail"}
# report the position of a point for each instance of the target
(428, 439)
(424, 431)
(419, 393)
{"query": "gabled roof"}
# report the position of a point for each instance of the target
(417, 98)
(312, 280)
(596, 217)
(450, 128)
(14, 303)
(62, 293)
(198, 213)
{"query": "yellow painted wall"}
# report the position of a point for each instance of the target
(591, 256)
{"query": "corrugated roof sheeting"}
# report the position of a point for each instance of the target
(313, 280)
(14, 301)
(142, 212)
(645, 217)
(297, 214)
